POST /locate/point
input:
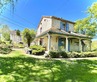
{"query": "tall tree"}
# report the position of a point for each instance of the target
(4, 3)
(28, 36)
(18, 32)
(88, 25)
(5, 31)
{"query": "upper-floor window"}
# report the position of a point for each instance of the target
(40, 29)
(44, 19)
(64, 26)
(67, 27)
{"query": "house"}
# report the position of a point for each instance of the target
(55, 33)
(0, 36)
(14, 37)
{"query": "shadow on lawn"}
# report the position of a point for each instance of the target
(26, 69)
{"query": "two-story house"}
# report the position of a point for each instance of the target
(56, 33)
(14, 37)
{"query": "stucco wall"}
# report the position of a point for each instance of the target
(45, 42)
(56, 23)
(71, 27)
(15, 38)
(54, 43)
(45, 24)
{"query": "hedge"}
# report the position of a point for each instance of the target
(4, 48)
(57, 54)
(37, 50)
(63, 54)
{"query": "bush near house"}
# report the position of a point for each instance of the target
(63, 54)
(4, 48)
(83, 54)
(74, 54)
(57, 54)
(90, 54)
(37, 50)
(54, 54)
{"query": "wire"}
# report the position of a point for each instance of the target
(15, 22)
(26, 2)
(21, 17)
(12, 22)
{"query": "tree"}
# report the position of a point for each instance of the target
(88, 25)
(6, 36)
(18, 32)
(5, 31)
(92, 11)
(4, 3)
(28, 36)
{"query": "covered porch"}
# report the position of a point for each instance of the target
(66, 43)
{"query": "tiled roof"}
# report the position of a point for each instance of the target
(62, 32)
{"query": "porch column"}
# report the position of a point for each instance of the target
(49, 41)
(66, 44)
(80, 45)
(90, 44)
(38, 41)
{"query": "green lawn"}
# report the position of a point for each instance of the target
(16, 67)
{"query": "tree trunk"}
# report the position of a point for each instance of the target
(28, 42)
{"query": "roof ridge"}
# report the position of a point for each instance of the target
(59, 18)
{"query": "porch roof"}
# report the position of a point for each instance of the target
(62, 32)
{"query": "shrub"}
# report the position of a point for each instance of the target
(63, 54)
(37, 49)
(70, 55)
(82, 54)
(18, 45)
(89, 54)
(54, 54)
(75, 55)
(4, 48)
(15, 45)
(57, 54)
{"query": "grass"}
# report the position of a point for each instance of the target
(18, 67)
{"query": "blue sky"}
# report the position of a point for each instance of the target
(28, 13)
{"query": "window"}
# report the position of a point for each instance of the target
(41, 41)
(62, 26)
(67, 27)
(40, 29)
(44, 19)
